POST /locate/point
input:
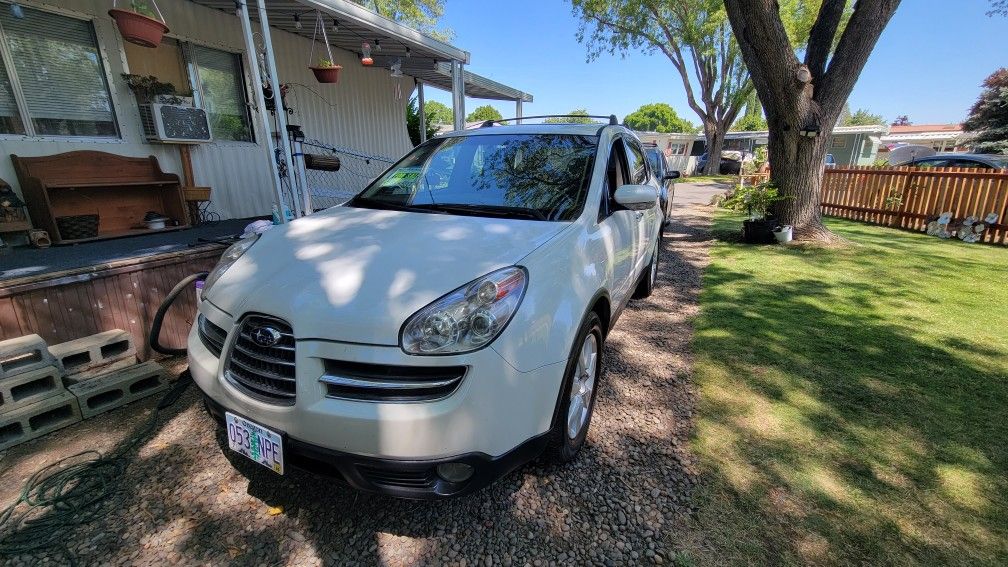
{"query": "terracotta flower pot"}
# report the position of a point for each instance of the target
(138, 28)
(327, 74)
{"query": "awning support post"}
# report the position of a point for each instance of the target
(421, 112)
(253, 64)
(518, 110)
(458, 95)
(281, 114)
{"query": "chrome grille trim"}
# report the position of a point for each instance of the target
(212, 336)
(265, 373)
(386, 383)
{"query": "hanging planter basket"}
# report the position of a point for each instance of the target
(326, 71)
(329, 74)
(138, 28)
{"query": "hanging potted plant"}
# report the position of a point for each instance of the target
(326, 71)
(138, 24)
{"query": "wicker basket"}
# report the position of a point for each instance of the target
(77, 227)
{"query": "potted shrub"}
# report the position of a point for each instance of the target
(755, 200)
(326, 71)
(148, 89)
(138, 24)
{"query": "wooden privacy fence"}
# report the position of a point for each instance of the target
(905, 197)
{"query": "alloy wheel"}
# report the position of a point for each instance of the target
(582, 386)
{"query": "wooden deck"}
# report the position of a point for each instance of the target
(122, 294)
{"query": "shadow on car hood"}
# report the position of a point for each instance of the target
(355, 275)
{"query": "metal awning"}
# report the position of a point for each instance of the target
(423, 57)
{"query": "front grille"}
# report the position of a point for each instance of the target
(211, 335)
(263, 372)
(419, 478)
(381, 382)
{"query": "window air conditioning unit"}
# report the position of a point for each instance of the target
(171, 123)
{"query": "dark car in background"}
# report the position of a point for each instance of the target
(977, 161)
(666, 177)
(731, 162)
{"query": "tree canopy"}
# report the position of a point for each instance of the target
(482, 113)
(752, 120)
(580, 116)
(657, 117)
(988, 118)
(421, 15)
(862, 117)
(413, 121)
(902, 120)
(438, 113)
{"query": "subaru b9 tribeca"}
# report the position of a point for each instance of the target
(445, 325)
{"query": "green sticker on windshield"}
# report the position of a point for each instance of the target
(403, 177)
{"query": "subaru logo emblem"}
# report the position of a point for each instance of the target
(265, 336)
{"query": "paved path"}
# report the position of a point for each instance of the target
(623, 501)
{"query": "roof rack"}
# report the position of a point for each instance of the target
(613, 121)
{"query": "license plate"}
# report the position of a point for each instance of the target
(255, 442)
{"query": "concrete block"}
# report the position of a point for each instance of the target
(26, 388)
(84, 375)
(121, 387)
(93, 351)
(37, 419)
(24, 354)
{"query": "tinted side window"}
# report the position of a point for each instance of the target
(636, 163)
(616, 175)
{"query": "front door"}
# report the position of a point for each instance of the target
(620, 226)
(646, 220)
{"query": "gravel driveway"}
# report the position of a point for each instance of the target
(181, 502)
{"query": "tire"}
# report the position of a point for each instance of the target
(650, 279)
(580, 386)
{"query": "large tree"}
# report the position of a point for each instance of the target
(483, 113)
(422, 15)
(862, 117)
(988, 119)
(803, 97)
(696, 38)
(752, 119)
(438, 113)
(576, 116)
(658, 117)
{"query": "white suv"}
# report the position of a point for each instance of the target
(444, 326)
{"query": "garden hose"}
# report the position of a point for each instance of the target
(77, 490)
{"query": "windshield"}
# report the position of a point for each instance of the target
(537, 176)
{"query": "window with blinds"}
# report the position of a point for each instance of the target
(59, 73)
(222, 87)
(10, 116)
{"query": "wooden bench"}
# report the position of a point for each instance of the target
(120, 190)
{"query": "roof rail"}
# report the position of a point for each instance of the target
(613, 121)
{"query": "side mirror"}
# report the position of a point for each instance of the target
(636, 197)
(671, 175)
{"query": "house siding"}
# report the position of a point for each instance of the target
(361, 112)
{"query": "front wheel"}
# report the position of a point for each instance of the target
(577, 396)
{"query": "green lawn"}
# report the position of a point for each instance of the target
(733, 179)
(853, 401)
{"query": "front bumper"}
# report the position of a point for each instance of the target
(495, 419)
(413, 479)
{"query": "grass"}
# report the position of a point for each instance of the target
(733, 179)
(853, 401)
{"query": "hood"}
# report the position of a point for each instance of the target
(355, 275)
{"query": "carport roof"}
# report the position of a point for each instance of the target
(423, 57)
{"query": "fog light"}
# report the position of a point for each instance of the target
(454, 472)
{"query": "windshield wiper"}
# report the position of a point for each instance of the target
(495, 210)
(387, 205)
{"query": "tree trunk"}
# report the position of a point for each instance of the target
(796, 169)
(715, 143)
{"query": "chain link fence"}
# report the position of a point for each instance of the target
(356, 170)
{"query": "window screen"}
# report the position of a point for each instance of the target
(57, 63)
(10, 118)
(222, 85)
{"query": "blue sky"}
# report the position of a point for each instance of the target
(928, 64)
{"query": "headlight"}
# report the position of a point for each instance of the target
(468, 318)
(227, 259)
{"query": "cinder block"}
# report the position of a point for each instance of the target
(24, 354)
(38, 419)
(26, 388)
(86, 353)
(121, 387)
(91, 373)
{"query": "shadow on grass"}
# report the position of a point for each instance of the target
(844, 415)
